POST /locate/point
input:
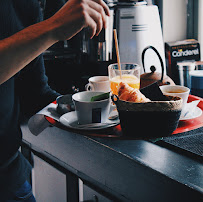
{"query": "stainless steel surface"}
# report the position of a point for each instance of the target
(100, 48)
(184, 69)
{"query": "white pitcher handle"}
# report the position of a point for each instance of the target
(89, 87)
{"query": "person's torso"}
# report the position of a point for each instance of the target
(15, 15)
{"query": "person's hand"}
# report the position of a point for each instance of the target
(76, 15)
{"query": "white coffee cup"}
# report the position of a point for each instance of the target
(91, 111)
(177, 90)
(98, 83)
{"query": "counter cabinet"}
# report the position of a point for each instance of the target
(73, 167)
(51, 182)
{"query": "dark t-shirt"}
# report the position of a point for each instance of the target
(24, 93)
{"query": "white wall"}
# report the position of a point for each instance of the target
(174, 20)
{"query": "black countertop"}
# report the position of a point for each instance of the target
(129, 170)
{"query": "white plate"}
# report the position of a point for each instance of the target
(70, 120)
(197, 112)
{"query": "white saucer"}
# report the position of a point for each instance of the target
(70, 120)
(197, 112)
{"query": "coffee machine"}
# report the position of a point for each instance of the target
(138, 26)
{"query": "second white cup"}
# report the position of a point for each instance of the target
(98, 83)
(177, 90)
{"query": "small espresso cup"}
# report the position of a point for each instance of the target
(177, 90)
(98, 83)
(88, 111)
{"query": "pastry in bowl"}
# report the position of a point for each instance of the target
(127, 93)
(141, 118)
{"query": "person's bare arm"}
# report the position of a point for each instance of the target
(21, 48)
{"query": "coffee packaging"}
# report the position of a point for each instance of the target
(186, 50)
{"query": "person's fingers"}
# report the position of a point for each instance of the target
(97, 17)
(100, 10)
(103, 4)
(78, 14)
(92, 25)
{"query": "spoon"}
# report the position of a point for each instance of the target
(113, 115)
(96, 125)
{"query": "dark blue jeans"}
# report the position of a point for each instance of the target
(24, 194)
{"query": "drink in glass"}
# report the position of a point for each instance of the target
(129, 73)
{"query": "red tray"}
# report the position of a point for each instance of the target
(183, 126)
(191, 124)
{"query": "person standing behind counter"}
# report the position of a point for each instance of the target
(23, 84)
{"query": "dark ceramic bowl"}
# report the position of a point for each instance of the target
(149, 120)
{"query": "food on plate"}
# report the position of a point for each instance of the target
(127, 93)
